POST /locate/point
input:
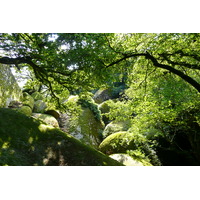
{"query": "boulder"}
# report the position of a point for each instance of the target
(48, 119)
(123, 142)
(126, 159)
(26, 110)
(85, 127)
(37, 96)
(116, 126)
(104, 108)
(15, 104)
(83, 120)
(109, 93)
(54, 113)
(26, 141)
(39, 106)
(28, 100)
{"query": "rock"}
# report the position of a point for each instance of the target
(47, 119)
(39, 106)
(110, 93)
(115, 126)
(85, 127)
(126, 159)
(104, 108)
(122, 142)
(54, 113)
(102, 95)
(28, 100)
(26, 110)
(25, 141)
(83, 120)
(37, 96)
(15, 104)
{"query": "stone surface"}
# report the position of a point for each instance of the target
(15, 104)
(85, 127)
(26, 110)
(82, 120)
(126, 159)
(54, 113)
(25, 141)
(116, 126)
(50, 120)
(39, 106)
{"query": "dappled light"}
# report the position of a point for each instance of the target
(99, 99)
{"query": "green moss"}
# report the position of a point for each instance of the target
(25, 141)
(28, 100)
(46, 119)
(116, 126)
(37, 96)
(123, 142)
(25, 110)
(39, 106)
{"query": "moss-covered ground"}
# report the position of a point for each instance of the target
(25, 141)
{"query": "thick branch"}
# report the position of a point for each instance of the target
(188, 79)
(188, 65)
(124, 58)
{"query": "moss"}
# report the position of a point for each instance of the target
(39, 106)
(46, 119)
(25, 141)
(37, 96)
(28, 100)
(116, 126)
(123, 142)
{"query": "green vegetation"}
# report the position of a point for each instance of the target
(150, 81)
(26, 141)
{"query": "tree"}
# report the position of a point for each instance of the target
(88, 60)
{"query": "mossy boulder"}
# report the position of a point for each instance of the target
(26, 110)
(53, 113)
(125, 159)
(48, 119)
(15, 104)
(116, 126)
(37, 96)
(83, 120)
(25, 141)
(85, 127)
(108, 93)
(105, 109)
(127, 142)
(28, 100)
(39, 106)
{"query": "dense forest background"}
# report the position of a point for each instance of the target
(145, 86)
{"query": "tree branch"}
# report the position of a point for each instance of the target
(188, 79)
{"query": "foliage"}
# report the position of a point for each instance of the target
(35, 143)
(86, 101)
(160, 72)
